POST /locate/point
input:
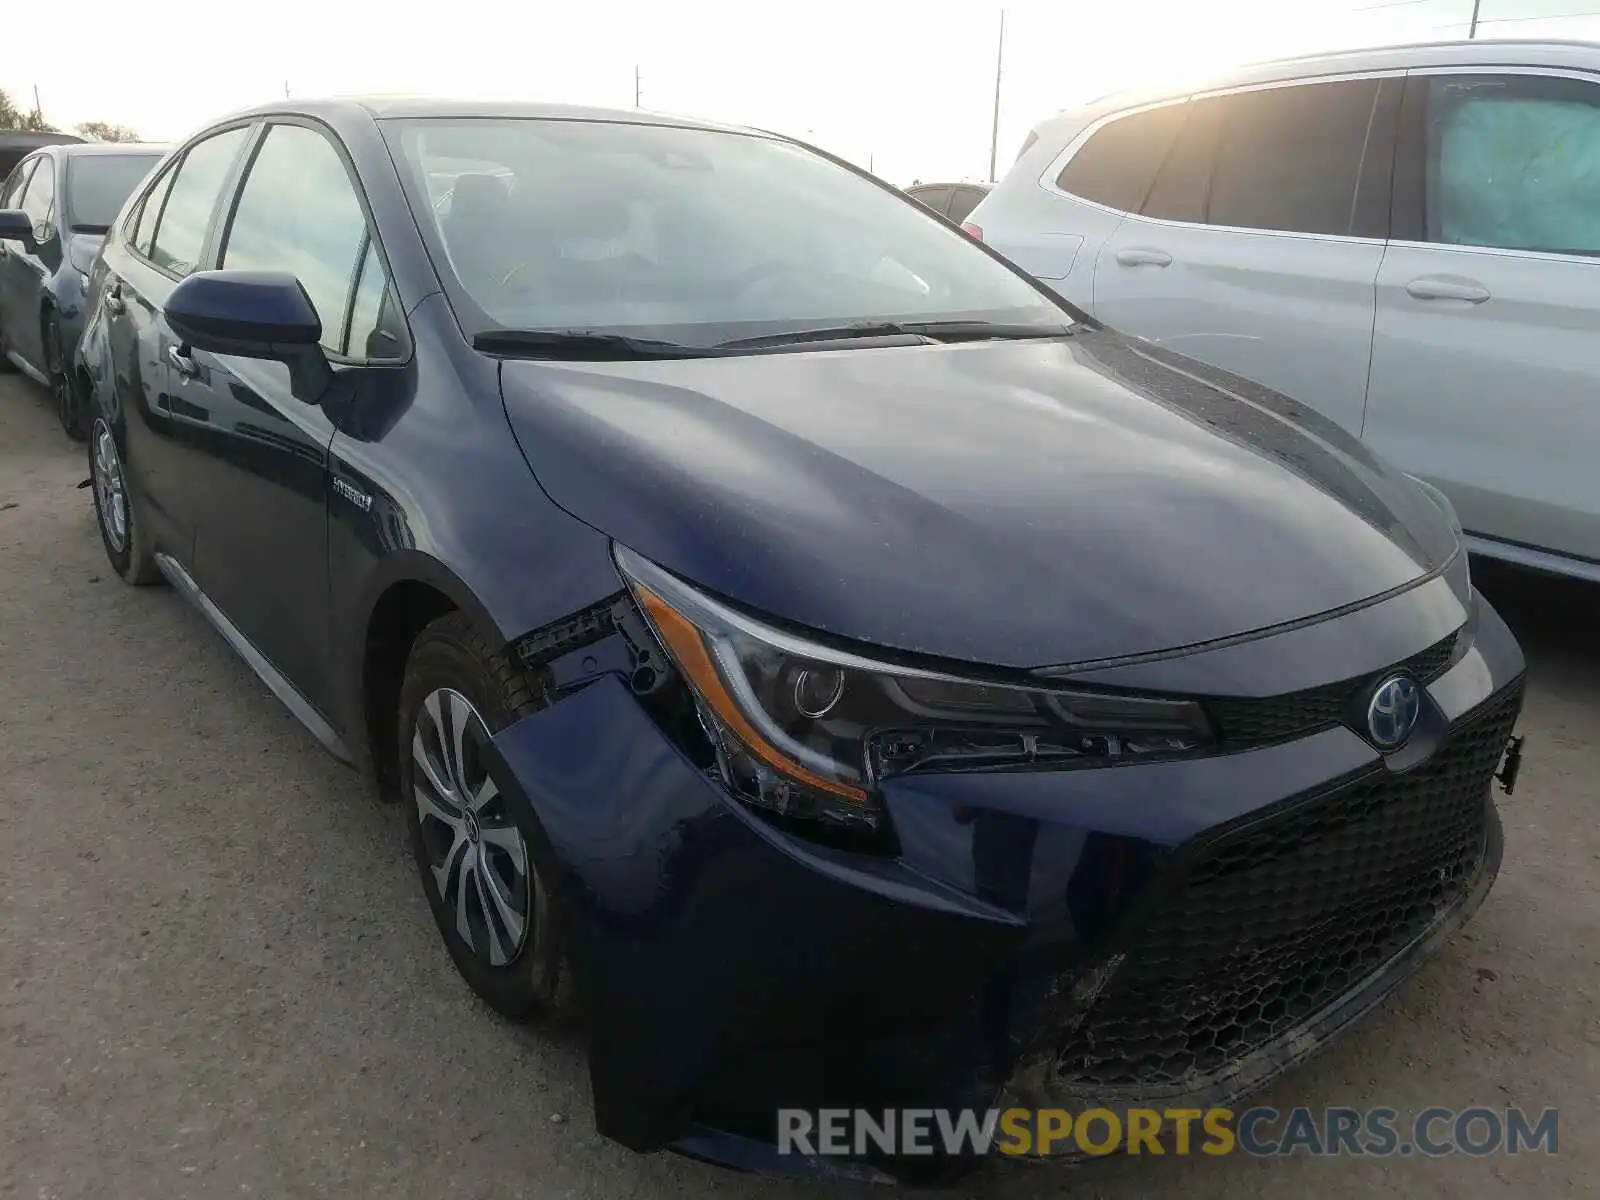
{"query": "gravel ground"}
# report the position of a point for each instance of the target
(218, 976)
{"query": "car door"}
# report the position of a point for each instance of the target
(1257, 246)
(261, 547)
(167, 242)
(19, 294)
(10, 197)
(1485, 367)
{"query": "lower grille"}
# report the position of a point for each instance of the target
(1271, 924)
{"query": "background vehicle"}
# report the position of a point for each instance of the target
(16, 144)
(953, 200)
(1404, 239)
(783, 618)
(55, 208)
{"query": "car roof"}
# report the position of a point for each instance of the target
(110, 149)
(383, 108)
(29, 140)
(1485, 52)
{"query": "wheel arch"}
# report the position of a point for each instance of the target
(412, 590)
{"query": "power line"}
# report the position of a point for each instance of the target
(1546, 17)
(1514, 20)
(1392, 4)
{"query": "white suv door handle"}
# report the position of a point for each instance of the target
(1447, 289)
(1144, 258)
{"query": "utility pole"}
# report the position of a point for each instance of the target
(999, 60)
(1472, 30)
(38, 109)
(636, 86)
(285, 89)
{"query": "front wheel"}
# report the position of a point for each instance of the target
(481, 855)
(68, 411)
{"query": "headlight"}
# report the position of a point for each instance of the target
(1441, 502)
(810, 731)
(1461, 572)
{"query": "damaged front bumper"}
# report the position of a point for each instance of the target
(1171, 933)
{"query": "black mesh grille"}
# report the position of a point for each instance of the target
(1270, 925)
(1278, 718)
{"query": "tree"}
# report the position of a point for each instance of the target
(104, 131)
(12, 117)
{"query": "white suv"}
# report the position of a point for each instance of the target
(1406, 239)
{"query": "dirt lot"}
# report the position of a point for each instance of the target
(218, 976)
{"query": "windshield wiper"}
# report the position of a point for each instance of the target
(582, 345)
(939, 331)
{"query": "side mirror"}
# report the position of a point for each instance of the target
(15, 225)
(253, 314)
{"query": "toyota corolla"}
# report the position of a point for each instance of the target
(842, 672)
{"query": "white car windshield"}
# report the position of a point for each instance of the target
(698, 236)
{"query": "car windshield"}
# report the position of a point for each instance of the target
(689, 235)
(98, 184)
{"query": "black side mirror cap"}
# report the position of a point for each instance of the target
(253, 314)
(15, 225)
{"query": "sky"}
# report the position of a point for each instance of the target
(904, 88)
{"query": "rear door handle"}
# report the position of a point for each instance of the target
(182, 363)
(112, 300)
(1447, 289)
(1144, 258)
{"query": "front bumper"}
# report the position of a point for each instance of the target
(1103, 937)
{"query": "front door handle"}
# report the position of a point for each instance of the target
(1447, 289)
(112, 300)
(181, 362)
(1144, 258)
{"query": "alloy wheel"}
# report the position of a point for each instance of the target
(110, 489)
(476, 852)
(60, 385)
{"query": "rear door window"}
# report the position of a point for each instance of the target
(1117, 164)
(964, 201)
(180, 234)
(936, 198)
(1513, 162)
(1289, 158)
(1184, 181)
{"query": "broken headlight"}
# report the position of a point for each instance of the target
(809, 731)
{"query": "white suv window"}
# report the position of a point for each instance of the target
(1289, 158)
(1115, 166)
(1513, 161)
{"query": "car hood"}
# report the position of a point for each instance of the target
(82, 248)
(1022, 504)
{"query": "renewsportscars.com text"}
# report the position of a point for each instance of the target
(1259, 1132)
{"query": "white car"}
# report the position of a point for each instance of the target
(1405, 239)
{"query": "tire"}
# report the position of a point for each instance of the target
(62, 389)
(123, 531)
(489, 861)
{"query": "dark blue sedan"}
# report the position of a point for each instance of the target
(55, 208)
(843, 673)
